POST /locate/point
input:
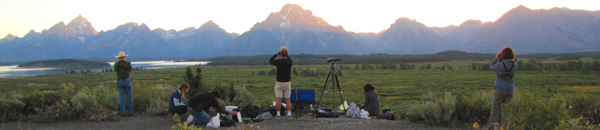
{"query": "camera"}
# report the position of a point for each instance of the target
(331, 59)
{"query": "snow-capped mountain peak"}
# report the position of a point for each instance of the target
(81, 27)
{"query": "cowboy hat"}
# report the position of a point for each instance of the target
(121, 54)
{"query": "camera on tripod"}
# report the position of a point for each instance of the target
(335, 84)
(331, 59)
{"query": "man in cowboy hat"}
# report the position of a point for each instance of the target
(123, 68)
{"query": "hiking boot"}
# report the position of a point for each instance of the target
(121, 114)
(131, 114)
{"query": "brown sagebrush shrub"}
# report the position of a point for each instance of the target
(159, 100)
(83, 101)
(141, 96)
(60, 111)
(584, 105)
(242, 97)
(39, 100)
(87, 107)
(580, 123)
(99, 113)
(432, 110)
(475, 108)
(112, 101)
(532, 111)
(102, 92)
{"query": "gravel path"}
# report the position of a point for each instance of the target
(142, 122)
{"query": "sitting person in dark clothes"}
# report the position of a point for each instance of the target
(371, 100)
(176, 107)
(200, 104)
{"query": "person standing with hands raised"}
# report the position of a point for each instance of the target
(505, 68)
(123, 68)
(283, 85)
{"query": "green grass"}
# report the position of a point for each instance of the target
(394, 86)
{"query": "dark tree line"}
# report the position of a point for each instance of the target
(297, 72)
(311, 59)
(562, 56)
(481, 66)
(384, 66)
(536, 65)
(63, 62)
(445, 56)
(571, 65)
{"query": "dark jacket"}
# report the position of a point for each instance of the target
(284, 68)
(175, 100)
(372, 103)
(203, 101)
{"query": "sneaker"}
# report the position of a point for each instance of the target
(131, 114)
(290, 117)
(278, 117)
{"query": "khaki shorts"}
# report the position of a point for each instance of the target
(283, 89)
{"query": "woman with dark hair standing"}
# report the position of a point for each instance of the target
(371, 100)
(505, 69)
(175, 106)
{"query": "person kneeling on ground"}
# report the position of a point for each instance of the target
(175, 106)
(200, 104)
(371, 100)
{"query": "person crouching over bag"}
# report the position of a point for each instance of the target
(200, 104)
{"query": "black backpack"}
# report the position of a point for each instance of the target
(507, 70)
(227, 123)
(251, 111)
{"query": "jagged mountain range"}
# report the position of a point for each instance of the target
(556, 30)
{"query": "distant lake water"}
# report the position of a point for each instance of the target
(13, 71)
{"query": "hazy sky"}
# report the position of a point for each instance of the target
(20, 16)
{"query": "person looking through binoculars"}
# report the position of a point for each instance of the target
(283, 85)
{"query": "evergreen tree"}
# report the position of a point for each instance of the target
(295, 72)
(194, 80)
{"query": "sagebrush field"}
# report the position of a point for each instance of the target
(398, 88)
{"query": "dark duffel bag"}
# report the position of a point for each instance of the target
(227, 123)
(327, 114)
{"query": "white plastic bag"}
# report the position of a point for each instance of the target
(230, 108)
(239, 117)
(265, 116)
(214, 122)
(364, 114)
(190, 119)
(353, 111)
(344, 106)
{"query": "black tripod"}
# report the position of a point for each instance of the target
(334, 83)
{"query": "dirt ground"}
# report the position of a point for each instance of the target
(142, 122)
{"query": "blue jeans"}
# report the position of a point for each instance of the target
(200, 118)
(125, 92)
